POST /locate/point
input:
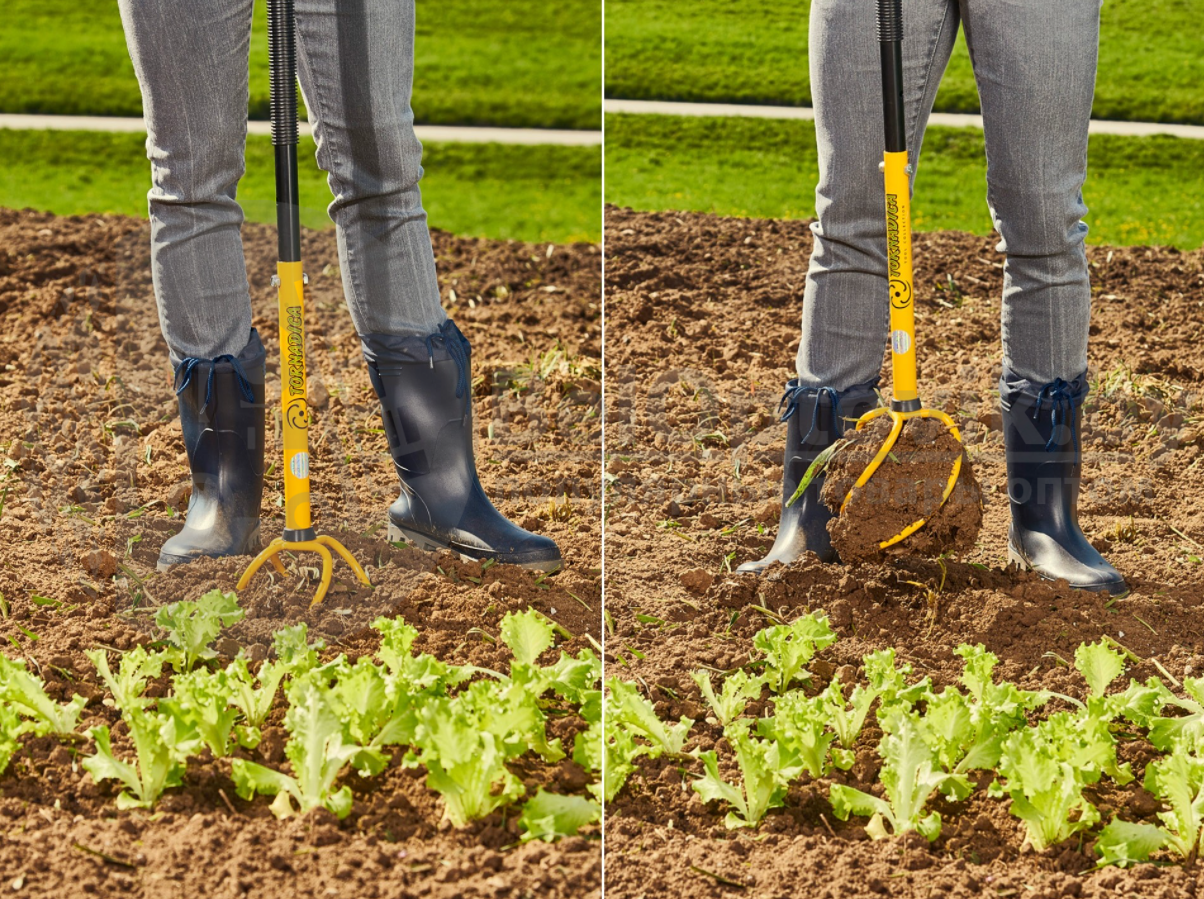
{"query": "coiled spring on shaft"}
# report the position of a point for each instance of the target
(282, 43)
(890, 20)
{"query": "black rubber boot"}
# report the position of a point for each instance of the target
(222, 415)
(1044, 462)
(816, 417)
(424, 386)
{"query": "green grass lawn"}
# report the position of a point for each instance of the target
(488, 190)
(1139, 190)
(519, 63)
(755, 51)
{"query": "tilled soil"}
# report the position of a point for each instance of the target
(702, 329)
(907, 487)
(96, 478)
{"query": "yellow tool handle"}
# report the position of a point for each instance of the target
(898, 260)
(291, 291)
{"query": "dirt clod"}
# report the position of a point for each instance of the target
(696, 580)
(100, 563)
(906, 488)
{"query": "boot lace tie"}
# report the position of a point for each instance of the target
(791, 398)
(457, 347)
(1061, 408)
(185, 370)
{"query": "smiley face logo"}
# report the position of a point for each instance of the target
(298, 415)
(900, 294)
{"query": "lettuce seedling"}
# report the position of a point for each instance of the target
(204, 701)
(293, 650)
(621, 751)
(1099, 664)
(910, 775)
(587, 752)
(12, 728)
(788, 647)
(575, 679)
(1124, 843)
(627, 708)
(1178, 781)
(421, 672)
(765, 772)
(738, 689)
(801, 725)
(887, 683)
(134, 670)
(465, 761)
(1045, 769)
(254, 695)
(966, 730)
(162, 743)
(192, 626)
(549, 816)
(1141, 703)
(318, 749)
(1188, 730)
(26, 694)
(511, 712)
(527, 634)
(376, 707)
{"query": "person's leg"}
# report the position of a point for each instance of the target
(191, 60)
(845, 305)
(845, 313)
(1035, 68)
(356, 60)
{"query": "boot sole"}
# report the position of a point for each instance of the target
(429, 544)
(1117, 591)
(252, 548)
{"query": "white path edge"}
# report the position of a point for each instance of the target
(948, 119)
(427, 133)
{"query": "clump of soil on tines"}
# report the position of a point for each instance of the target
(906, 488)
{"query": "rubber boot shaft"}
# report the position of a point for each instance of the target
(815, 419)
(1043, 444)
(222, 415)
(424, 387)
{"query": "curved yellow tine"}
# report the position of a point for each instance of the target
(949, 486)
(887, 446)
(278, 565)
(872, 414)
(347, 557)
(327, 568)
(916, 525)
(943, 419)
(317, 545)
(267, 553)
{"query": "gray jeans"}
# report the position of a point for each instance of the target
(355, 61)
(1034, 64)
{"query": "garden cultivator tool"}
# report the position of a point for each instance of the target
(299, 535)
(905, 402)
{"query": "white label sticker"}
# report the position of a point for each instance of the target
(900, 342)
(299, 465)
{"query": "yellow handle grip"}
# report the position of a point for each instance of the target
(898, 259)
(291, 292)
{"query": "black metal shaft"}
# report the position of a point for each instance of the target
(282, 58)
(890, 37)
